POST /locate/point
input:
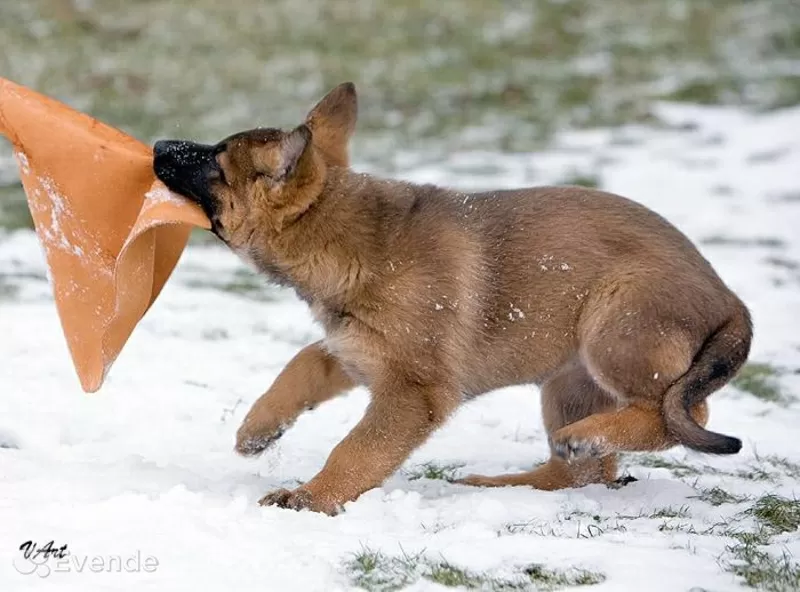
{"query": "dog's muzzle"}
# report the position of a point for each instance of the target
(184, 167)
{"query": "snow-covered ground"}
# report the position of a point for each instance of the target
(145, 468)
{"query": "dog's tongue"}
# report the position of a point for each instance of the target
(111, 232)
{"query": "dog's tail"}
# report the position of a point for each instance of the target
(718, 360)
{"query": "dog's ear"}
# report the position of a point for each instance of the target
(292, 148)
(333, 121)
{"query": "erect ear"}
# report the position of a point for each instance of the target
(333, 121)
(292, 147)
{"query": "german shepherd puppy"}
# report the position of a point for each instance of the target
(430, 297)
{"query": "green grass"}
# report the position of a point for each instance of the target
(584, 525)
(778, 514)
(377, 572)
(754, 554)
(582, 179)
(655, 461)
(780, 464)
(760, 380)
(716, 496)
(14, 212)
(769, 468)
(451, 576)
(374, 572)
(535, 527)
(549, 579)
(762, 570)
(670, 512)
(432, 470)
(698, 91)
(575, 524)
(759, 567)
(432, 76)
(750, 557)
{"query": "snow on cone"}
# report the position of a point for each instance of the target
(110, 231)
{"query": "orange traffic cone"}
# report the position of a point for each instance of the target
(112, 233)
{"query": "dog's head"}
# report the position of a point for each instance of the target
(264, 177)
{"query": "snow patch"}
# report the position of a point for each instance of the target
(22, 161)
(159, 194)
(60, 216)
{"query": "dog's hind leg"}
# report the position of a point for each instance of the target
(569, 396)
(660, 374)
(634, 428)
(312, 377)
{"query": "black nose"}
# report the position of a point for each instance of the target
(168, 158)
(179, 158)
(182, 153)
(162, 147)
(164, 162)
(185, 167)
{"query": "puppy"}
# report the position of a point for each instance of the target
(430, 297)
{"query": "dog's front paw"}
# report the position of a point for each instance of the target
(254, 438)
(572, 446)
(298, 499)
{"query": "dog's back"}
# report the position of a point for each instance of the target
(516, 275)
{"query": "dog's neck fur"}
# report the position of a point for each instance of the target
(319, 250)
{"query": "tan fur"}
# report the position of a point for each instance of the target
(430, 297)
(312, 377)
